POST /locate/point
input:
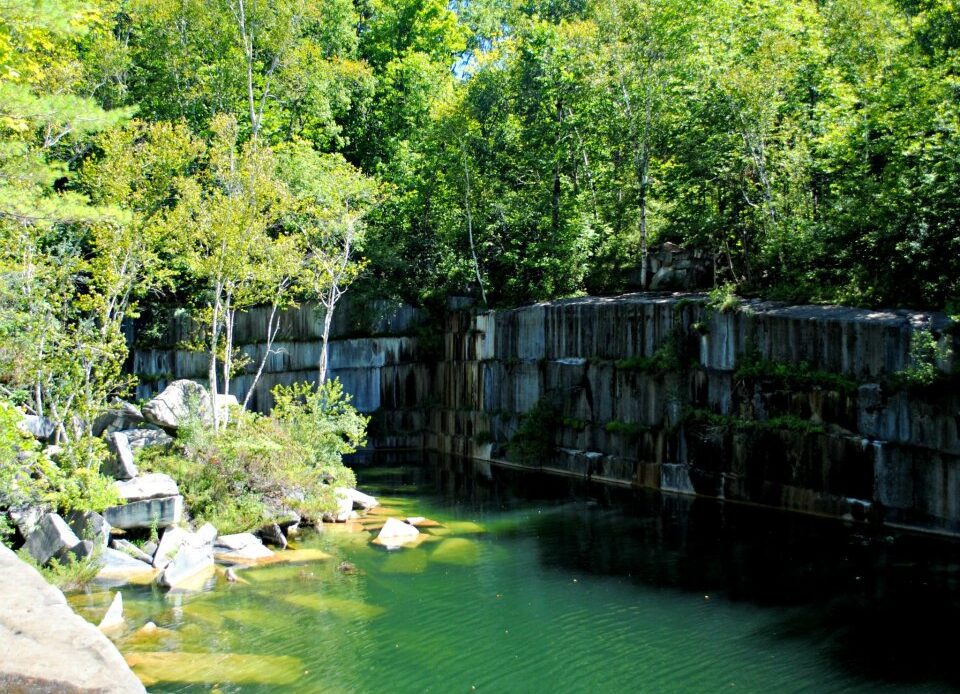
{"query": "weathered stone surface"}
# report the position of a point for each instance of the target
(344, 508)
(150, 486)
(162, 512)
(89, 525)
(113, 619)
(359, 500)
(131, 549)
(396, 533)
(225, 403)
(178, 402)
(51, 538)
(123, 415)
(272, 534)
(83, 549)
(240, 548)
(170, 543)
(40, 428)
(46, 646)
(120, 464)
(147, 436)
(26, 518)
(120, 568)
(194, 556)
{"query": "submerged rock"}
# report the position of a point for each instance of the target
(396, 533)
(131, 549)
(179, 402)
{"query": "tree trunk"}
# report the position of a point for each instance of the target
(272, 329)
(212, 366)
(327, 323)
(466, 207)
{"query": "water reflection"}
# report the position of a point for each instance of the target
(880, 604)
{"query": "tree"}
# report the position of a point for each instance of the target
(331, 199)
(227, 214)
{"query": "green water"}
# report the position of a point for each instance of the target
(543, 585)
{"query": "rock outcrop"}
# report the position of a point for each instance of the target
(46, 646)
(179, 402)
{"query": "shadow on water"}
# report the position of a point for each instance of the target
(882, 605)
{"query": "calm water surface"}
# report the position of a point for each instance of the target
(539, 584)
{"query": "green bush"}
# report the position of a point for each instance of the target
(239, 478)
(925, 353)
(70, 575)
(789, 376)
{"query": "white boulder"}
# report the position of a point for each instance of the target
(179, 402)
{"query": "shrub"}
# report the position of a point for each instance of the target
(534, 440)
(723, 299)
(925, 353)
(240, 478)
(70, 575)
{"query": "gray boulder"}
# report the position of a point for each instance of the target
(154, 485)
(240, 548)
(131, 549)
(26, 518)
(47, 647)
(51, 538)
(344, 508)
(360, 501)
(272, 534)
(83, 549)
(194, 556)
(147, 436)
(119, 568)
(173, 538)
(89, 525)
(120, 464)
(179, 402)
(123, 415)
(40, 428)
(161, 512)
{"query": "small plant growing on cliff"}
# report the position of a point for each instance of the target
(534, 441)
(723, 299)
(925, 354)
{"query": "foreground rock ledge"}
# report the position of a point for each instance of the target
(46, 646)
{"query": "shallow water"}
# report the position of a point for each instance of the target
(541, 584)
